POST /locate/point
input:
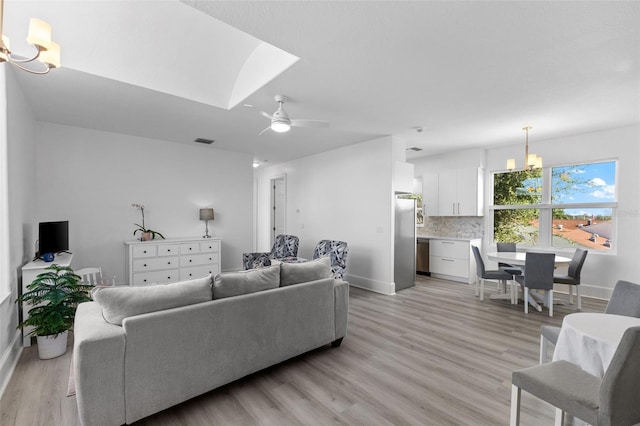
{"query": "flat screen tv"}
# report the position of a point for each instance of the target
(53, 237)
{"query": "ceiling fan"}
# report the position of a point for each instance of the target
(280, 121)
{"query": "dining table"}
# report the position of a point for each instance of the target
(519, 258)
(589, 340)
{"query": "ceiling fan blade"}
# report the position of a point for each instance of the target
(309, 123)
(269, 116)
(264, 131)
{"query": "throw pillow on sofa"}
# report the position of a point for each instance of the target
(230, 284)
(119, 303)
(295, 273)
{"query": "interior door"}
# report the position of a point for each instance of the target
(278, 207)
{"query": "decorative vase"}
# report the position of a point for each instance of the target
(52, 346)
(146, 236)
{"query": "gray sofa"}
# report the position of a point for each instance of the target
(160, 358)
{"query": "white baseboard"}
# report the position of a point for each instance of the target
(387, 288)
(9, 361)
(586, 290)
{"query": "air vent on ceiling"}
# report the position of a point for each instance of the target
(414, 148)
(205, 141)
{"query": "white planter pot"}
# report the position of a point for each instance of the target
(52, 347)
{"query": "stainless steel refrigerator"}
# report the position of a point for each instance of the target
(404, 263)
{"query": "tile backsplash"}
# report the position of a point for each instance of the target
(452, 227)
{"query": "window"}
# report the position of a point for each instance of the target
(565, 207)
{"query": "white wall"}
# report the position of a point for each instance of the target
(91, 178)
(21, 209)
(601, 270)
(344, 194)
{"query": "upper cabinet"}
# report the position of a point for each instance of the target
(458, 193)
(403, 177)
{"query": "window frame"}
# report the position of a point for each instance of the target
(546, 207)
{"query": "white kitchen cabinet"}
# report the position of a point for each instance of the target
(460, 192)
(430, 193)
(452, 259)
(172, 260)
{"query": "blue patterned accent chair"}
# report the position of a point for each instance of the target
(284, 247)
(338, 251)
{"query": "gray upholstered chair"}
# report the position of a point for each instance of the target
(482, 274)
(507, 247)
(538, 275)
(612, 400)
(573, 275)
(625, 300)
(284, 247)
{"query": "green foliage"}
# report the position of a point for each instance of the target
(516, 188)
(54, 296)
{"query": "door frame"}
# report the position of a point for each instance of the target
(272, 200)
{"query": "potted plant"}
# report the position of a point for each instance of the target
(145, 234)
(54, 296)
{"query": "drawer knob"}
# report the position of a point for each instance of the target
(145, 251)
(168, 263)
(190, 260)
(168, 249)
(190, 274)
(190, 248)
(145, 265)
(145, 281)
(168, 278)
(210, 259)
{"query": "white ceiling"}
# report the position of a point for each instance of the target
(470, 73)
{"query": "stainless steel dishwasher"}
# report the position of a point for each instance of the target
(422, 256)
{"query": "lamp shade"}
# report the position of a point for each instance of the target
(206, 214)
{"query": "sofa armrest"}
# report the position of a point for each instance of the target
(98, 362)
(341, 306)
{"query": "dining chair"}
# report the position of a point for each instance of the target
(482, 274)
(625, 300)
(572, 278)
(507, 247)
(538, 275)
(611, 400)
(93, 276)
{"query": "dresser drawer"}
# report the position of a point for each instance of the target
(449, 248)
(189, 248)
(152, 277)
(141, 265)
(199, 259)
(198, 272)
(144, 251)
(210, 247)
(168, 249)
(449, 266)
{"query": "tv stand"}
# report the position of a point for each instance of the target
(29, 273)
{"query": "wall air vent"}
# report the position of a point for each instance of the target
(205, 141)
(414, 148)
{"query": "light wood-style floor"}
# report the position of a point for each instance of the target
(431, 355)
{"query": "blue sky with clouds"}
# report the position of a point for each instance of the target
(596, 185)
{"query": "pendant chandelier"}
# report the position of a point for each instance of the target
(47, 55)
(531, 161)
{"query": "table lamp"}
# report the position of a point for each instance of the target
(206, 215)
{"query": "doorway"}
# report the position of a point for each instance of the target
(278, 206)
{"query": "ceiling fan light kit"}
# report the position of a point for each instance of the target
(280, 121)
(47, 52)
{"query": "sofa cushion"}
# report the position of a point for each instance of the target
(121, 302)
(230, 284)
(295, 273)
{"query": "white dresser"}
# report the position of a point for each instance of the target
(452, 259)
(172, 260)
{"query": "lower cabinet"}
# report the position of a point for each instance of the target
(453, 259)
(172, 260)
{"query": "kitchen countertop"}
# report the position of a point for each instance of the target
(439, 237)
